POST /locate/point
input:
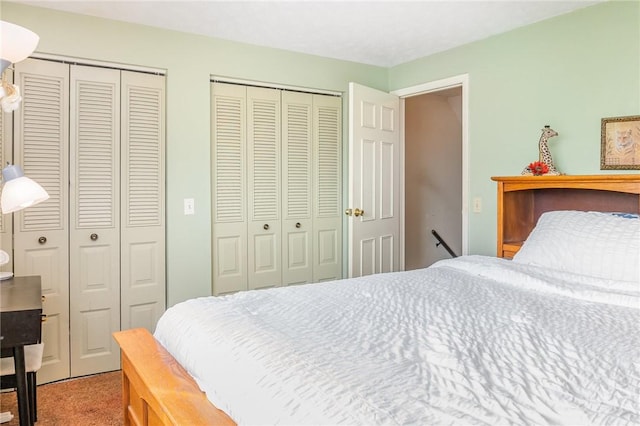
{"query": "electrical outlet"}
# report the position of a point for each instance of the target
(477, 205)
(189, 206)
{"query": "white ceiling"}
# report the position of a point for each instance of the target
(384, 33)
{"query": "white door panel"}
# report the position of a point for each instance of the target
(388, 173)
(367, 261)
(143, 276)
(297, 205)
(94, 236)
(41, 235)
(374, 181)
(265, 264)
(96, 313)
(230, 257)
(142, 224)
(388, 255)
(368, 182)
(297, 268)
(49, 260)
(228, 182)
(264, 187)
(328, 246)
(327, 199)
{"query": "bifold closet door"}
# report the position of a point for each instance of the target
(84, 133)
(327, 171)
(246, 187)
(276, 181)
(142, 200)
(229, 185)
(297, 168)
(41, 235)
(264, 183)
(94, 196)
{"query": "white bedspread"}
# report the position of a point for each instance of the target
(471, 340)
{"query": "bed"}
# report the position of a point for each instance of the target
(550, 337)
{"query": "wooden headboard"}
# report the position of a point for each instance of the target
(522, 199)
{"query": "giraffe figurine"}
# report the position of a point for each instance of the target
(544, 153)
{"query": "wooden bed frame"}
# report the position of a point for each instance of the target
(156, 390)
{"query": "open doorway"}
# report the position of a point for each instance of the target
(433, 181)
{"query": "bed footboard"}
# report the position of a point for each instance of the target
(156, 390)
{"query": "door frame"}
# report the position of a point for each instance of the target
(462, 81)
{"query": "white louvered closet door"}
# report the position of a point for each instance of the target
(264, 181)
(229, 199)
(6, 156)
(297, 209)
(41, 244)
(276, 181)
(94, 236)
(142, 216)
(327, 216)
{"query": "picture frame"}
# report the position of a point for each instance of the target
(620, 143)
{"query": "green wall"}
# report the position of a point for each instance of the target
(568, 72)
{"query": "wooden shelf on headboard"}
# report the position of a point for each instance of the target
(522, 199)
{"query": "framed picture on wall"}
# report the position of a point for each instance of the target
(620, 143)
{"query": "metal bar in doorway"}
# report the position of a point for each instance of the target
(443, 242)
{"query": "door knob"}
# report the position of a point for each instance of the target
(354, 212)
(42, 240)
(93, 237)
(266, 226)
(298, 225)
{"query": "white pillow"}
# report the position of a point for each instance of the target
(586, 243)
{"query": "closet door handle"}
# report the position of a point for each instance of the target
(42, 240)
(93, 237)
(266, 226)
(298, 225)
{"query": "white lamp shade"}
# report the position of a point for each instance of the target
(19, 191)
(16, 42)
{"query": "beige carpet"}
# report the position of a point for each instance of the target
(88, 401)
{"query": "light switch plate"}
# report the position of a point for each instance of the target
(189, 206)
(477, 205)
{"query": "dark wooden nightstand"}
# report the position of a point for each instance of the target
(20, 325)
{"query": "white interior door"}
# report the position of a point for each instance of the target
(374, 181)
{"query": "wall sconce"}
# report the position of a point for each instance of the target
(16, 44)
